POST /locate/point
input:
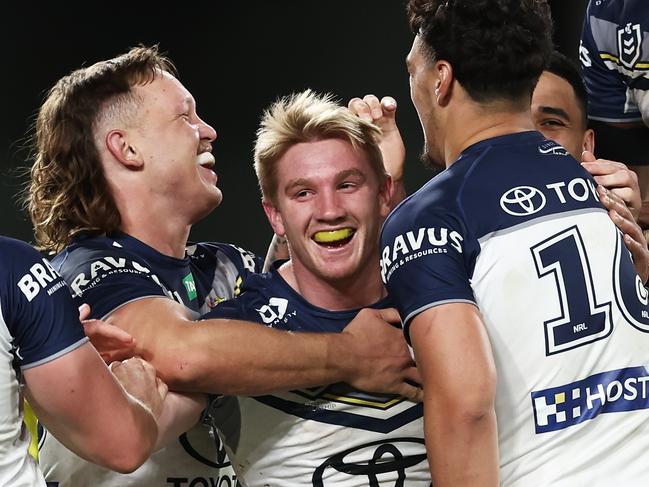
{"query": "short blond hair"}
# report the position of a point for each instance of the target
(307, 117)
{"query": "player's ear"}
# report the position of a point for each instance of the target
(386, 192)
(444, 82)
(274, 216)
(123, 150)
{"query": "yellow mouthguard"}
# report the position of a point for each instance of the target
(333, 235)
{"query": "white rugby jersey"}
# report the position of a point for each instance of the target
(38, 324)
(515, 226)
(107, 272)
(329, 436)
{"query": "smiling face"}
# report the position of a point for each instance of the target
(557, 115)
(330, 206)
(423, 82)
(175, 146)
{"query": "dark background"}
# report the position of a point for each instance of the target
(235, 58)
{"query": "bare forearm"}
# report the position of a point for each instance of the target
(144, 428)
(231, 357)
(462, 449)
(180, 413)
(96, 419)
(236, 357)
(459, 395)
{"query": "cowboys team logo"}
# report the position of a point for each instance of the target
(522, 201)
(629, 44)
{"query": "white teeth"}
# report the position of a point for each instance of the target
(206, 159)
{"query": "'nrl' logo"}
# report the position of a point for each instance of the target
(629, 44)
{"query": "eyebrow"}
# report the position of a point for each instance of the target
(559, 112)
(298, 182)
(349, 173)
(295, 183)
(187, 103)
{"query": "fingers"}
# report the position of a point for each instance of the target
(110, 358)
(106, 331)
(413, 393)
(111, 342)
(602, 166)
(371, 109)
(614, 202)
(361, 109)
(131, 362)
(587, 156)
(162, 387)
(84, 311)
(620, 200)
(634, 238)
(117, 355)
(388, 104)
(638, 248)
(618, 178)
(390, 315)
(136, 365)
(412, 375)
(634, 246)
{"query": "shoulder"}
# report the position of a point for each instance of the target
(96, 252)
(258, 292)
(109, 271)
(25, 269)
(242, 259)
(434, 204)
(16, 253)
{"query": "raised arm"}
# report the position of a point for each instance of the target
(278, 249)
(236, 357)
(454, 357)
(383, 113)
(79, 401)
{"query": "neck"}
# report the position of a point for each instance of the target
(472, 123)
(357, 291)
(144, 222)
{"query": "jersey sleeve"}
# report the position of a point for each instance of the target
(424, 261)
(37, 307)
(243, 259)
(108, 278)
(613, 54)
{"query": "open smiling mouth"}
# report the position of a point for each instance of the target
(334, 238)
(206, 160)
